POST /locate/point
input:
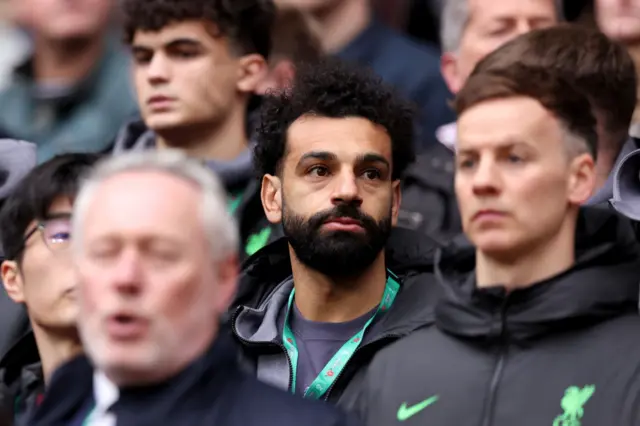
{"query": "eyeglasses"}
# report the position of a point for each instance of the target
(55, 232)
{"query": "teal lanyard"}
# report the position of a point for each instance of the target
(336, 364)
(234, 203)
(87, 419)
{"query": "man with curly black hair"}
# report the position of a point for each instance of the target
(196, 65)
(332, 151)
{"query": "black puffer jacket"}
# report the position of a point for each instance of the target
(564, 352)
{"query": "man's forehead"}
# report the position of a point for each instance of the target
(348, 136)
(196, 31)
(488, 9)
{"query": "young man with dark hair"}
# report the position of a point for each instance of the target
(196, 66)
(315, 306)
(601, 68)
(37, 272)
(538, 323)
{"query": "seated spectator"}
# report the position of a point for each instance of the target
(538, 324)
(37, 273)
(349, 30)
(292, 43)
(156, 270)
(17, 158)
(343, 283)
(620, 21)
(471, 29)
(73, 92)
(196, 66)
(602, 69)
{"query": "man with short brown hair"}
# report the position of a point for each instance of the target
(538, 323)
(602, 69)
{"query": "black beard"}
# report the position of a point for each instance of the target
(338, 254)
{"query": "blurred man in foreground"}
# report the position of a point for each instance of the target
(539, 322)
(156, 271)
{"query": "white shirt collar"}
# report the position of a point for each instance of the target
(447, 135)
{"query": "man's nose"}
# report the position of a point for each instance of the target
(486, 179)
(128, 273)
(158, 69)
(346, 189)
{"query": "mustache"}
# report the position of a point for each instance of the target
(350, 211)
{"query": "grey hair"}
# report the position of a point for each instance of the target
(455, 17)
(219, 225)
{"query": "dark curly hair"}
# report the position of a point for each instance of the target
(247, 23)
(334, 89)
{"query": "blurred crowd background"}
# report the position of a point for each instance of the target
(65, 84)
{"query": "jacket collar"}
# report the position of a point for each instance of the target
(267, 281)
(602, 284)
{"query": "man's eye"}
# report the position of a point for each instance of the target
(372, 174)
(319, 171)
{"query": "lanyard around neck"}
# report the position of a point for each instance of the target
(336, 364)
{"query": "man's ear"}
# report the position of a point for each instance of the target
(450, 72)
(395, 202)
(253, 69)
(227, 283)
(279, 78)
(582, 179)
(271, 195)
(12, 280)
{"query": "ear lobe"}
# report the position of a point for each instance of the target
(253, 69)
(12, 280)
(395, 202)
(582, 179)
(449, 71)
(271, 195)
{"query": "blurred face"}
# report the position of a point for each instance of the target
(516, 184)
(491, 24)
(45, 280)
(188, 79)
(64, 19)
(619, 19)
(150, 293)
(335, 196)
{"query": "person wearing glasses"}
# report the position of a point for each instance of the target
(36, 231)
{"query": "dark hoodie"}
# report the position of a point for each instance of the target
(238, 177)
(267, 282)
(211, 391)
(21, 380)
(564, 352)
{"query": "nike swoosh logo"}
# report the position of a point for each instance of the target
(405, 412)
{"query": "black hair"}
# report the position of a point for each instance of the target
(247, 23)
(31, 199)
(331, 88)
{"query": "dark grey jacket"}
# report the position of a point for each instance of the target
(266, 284)
(564, 352)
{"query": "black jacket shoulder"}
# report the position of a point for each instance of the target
(212, 391)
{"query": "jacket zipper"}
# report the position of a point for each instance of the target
(254, 344)
(498, 369)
